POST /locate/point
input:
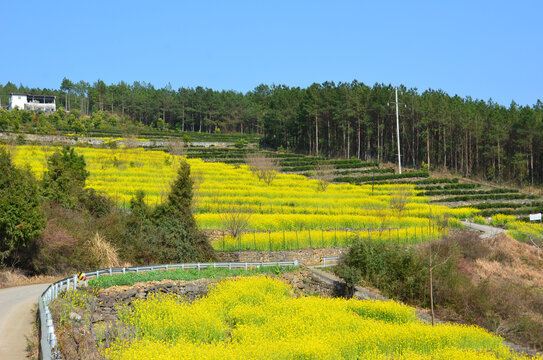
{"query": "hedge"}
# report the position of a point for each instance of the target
(448, 186)
(363, 179)
(486, 197)
(466, 192)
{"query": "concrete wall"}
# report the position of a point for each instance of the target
(305, 256)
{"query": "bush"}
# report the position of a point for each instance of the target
(168, 233)
(364, 179)
(502, 220)
(21, 217)
(98, 205)
(240, 143)
(65, 177)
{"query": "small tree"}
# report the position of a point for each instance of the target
(235, 220)
(21, 217)
(263, 167)
(65, 179)
(324, 173)
(399, 199)
(174, 233)
(176, 148)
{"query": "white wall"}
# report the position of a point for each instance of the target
(17, 101)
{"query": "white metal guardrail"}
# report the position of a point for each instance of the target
(48, 339)
(329, 261)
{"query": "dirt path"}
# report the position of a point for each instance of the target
(16, 319)
(487, 231)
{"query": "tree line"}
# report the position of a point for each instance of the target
(468, 136)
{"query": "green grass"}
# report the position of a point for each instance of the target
(186, 275)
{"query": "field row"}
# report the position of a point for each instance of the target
(306, 239)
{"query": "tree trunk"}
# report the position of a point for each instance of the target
(445, 148)
(348, 140)
(499, 162)
(358, 137)
(532, 160)
(428, 146)
(316, 135)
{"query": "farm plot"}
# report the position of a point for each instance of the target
(257, 318)
(292, 212)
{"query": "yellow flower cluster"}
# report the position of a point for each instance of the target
(291, 202)
(292, 240)
(257, 318)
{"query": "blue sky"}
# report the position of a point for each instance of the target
(484, 49)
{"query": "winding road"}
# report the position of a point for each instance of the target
(17, 318)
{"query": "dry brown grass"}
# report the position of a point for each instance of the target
(15, 277)
(102, 252)
(510, 261)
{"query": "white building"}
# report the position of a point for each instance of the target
(44, 103)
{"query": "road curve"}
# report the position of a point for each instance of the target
(16, 319)
(487, 231)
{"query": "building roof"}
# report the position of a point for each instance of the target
(51, 96)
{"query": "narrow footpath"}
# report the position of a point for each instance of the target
(16, 319)
(487, 231)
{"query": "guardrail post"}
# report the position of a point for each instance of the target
(110, 271)
(124, 270)
(245, 266)
(198, 266)
(75, 282)
(296, 262)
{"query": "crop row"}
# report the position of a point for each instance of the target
(466, 192)
(486, 197)
(505, 211)
(421, 210)
(294, 240)
(506, 205)
(277, 222)
(366, 171)
(448, 187)
(363, 179)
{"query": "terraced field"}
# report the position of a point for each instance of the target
(256, 317)
(290, 213)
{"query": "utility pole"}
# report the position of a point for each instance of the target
(398, 131)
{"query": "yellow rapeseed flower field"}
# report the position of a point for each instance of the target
(291, 204)
(257, 318)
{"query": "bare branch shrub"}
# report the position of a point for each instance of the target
(235, 220)
(399, 199)
(177, 148)
(324, 173)
(263, 167)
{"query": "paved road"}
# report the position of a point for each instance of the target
(487, 231)
(16, 319)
